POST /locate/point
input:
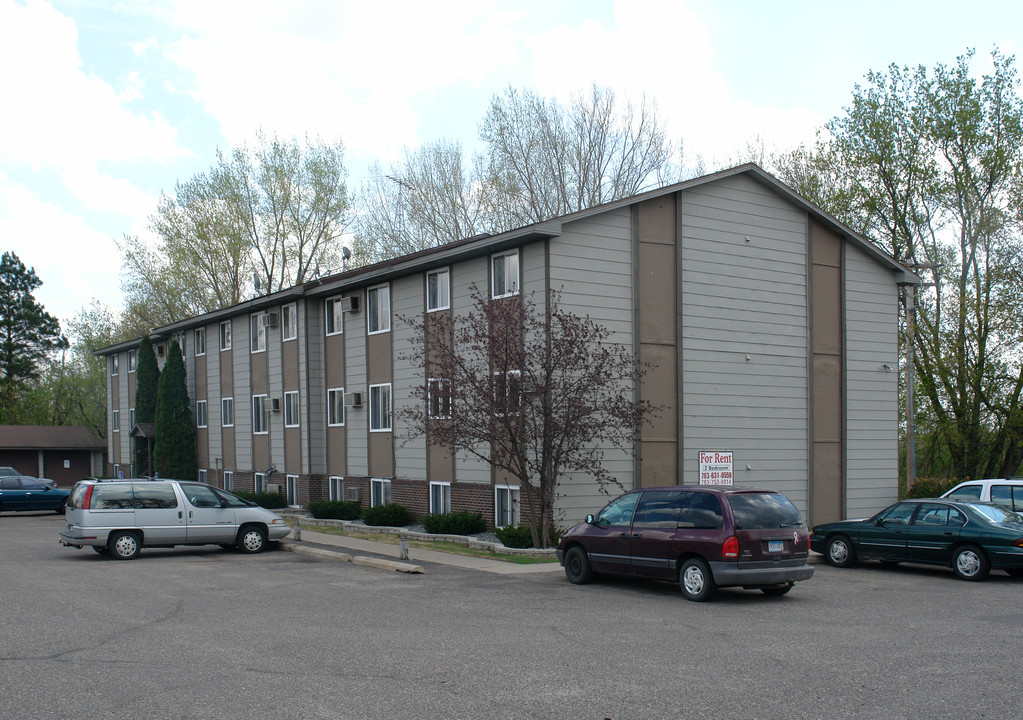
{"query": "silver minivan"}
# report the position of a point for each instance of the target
(119, 517)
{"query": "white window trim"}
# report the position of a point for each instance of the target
(328, 312)
(336, 481)
(203, 476)
(115, 365)
(292, 310)
(133, 360)
(372, 409)
(373, 483)
(296, 422)
(225, 340)
(429, 398)
(266, 418)
(200, 345)
(223, 415)
(440, 484)
(446, 272)
(228, 479)
(202, 418)
(516, 278)
(512, 490)
(369, 308)
(115, 421)
(259, 319)
(259, 482)
(507, 394)
(340, 392)
(288, 480)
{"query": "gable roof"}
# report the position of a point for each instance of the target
(48, 437)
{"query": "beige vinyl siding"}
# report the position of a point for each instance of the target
(744, 334)
(275, 390)
(468, 468)
(242, 394)
(313, 375)
(408, 299)
(872, 416)
(357, 380)
(214, 410)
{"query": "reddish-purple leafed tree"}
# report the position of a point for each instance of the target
(534, 390)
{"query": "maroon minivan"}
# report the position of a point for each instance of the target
(706, 537)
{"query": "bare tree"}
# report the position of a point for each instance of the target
(535, 391)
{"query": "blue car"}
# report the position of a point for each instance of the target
(28, 493)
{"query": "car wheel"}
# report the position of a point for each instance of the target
(124, 545)
(970, 563)
(696, 581)
(840, 552)
(251, 539)
(777, 590)
(577, 566)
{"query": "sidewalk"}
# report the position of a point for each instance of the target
(340, 543)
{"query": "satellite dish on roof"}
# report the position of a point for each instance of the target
(346, 253)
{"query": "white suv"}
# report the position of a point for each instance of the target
(1008, 493)
(120, 517)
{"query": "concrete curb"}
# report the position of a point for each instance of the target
(300, 548)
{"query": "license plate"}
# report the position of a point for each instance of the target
(775, 545)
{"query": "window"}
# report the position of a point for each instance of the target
(438, 290)
(228, 480)
(380, 408)
(227, 412)
(115, 420)
(180, 337)
(618, 512)
(439, 398)
(259, 482)
(336, 406)
(131, 417)
(291, 489)
(659, 510)
(335, 316)
(289, 322)
(225, 335)
(505, 275)
(1010, 496)
(115, 364)
(200, 413)
(260, 417)
(380, 492)
(133, 360)
(257, 324)
(200, 341)
(506, 506)
(202, 475)
(336, 487)
(291, 408)
(117, 471)
(378, 309)
(507, 392)
(440, 497)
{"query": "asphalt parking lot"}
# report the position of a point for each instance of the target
(204, 633)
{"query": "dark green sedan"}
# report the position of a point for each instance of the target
(972, 538)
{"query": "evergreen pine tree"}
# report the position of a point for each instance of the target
(147, 386)
(174, 455)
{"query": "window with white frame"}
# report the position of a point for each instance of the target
(507, 392)
(180, 337)
(133, 360)
(259, 482)
(225, 335)
(336, 406)
(227, 412)
(115, 364)
(200, 341)
(115, 421)
(260, 415)
(200, 413)
(506, 506)
(440, 497)
(438, 290)
(228, 480)
(505, 274)
(289, 322)
(336, 488)
(335, 316)
(131, 417)
(291, 490)
(291, 408)
(439, 398)
(257, 326)
(202, 475)
(380, 408)
(378, 309)
(117, 470)
(380, 492)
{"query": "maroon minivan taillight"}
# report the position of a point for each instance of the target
(730, 548)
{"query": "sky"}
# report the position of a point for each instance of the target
(106, 104)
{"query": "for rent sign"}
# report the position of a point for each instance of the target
(716, 467)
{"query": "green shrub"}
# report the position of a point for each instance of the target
(930, 488)
(456, 523)
(392, 515)
(335, 510)
(271, 501)
(521, 536)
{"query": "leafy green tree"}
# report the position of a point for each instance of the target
(147, 388)
(174, 454)
(28, 334)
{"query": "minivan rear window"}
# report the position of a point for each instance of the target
(763, 511)
(111, 497)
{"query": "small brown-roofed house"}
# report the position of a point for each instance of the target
(62, 454)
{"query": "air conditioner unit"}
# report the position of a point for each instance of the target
(350, 304)
(353, 399)
(353, 494)
(272, 319)
(274, 487)
(275, 404)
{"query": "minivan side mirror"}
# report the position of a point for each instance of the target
(589, 519)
